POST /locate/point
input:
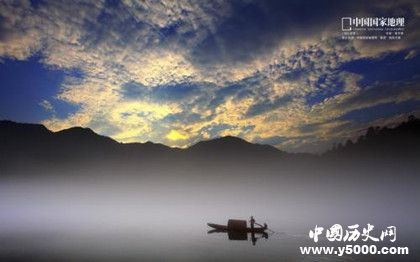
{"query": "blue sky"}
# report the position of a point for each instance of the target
(27, 85)
(177, 72)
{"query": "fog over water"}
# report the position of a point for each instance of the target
(90, 213)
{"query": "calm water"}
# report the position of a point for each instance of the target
(163, 244)
(118, 219)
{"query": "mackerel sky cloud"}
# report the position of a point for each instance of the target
(177, 72)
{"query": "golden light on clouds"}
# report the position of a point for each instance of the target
(160, 67)
(131, 112)
(176, 135)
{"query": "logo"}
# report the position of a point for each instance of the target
(346, 24)
(372, 28)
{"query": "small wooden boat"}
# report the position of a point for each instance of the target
(238, 230)
(236, 225)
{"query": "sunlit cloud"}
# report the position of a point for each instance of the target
(176, 135)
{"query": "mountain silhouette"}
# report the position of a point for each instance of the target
(229, 147)
(34, 145)
(83, 136)
(402, 140)
(231, 144)
(37, 139)
(36, 136)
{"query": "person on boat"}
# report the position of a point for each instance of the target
(252, 222)
(253, 239)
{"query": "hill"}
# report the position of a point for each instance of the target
(33, 146)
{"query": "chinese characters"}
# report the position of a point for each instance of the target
(352, 233)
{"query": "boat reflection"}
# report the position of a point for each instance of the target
(241, 235)
(238, 230)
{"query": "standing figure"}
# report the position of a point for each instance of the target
(252, 222)
(253, 238)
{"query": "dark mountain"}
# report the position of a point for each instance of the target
(27, 145)
(402, 140)
(32, 142)
(37, 139)
(83, 136)
(231, 147)
(30, 135)
(17, 134)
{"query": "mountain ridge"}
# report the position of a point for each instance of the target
(33, 140)
(78, 132)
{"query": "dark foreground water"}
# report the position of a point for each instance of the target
(164, 244)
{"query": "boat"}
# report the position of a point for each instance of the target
(237, 230)
(237, 226)
(223, 228)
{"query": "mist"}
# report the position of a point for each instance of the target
(94, 213)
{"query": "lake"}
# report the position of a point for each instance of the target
(130, 220)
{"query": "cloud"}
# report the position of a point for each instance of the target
(381, 93)
(176, 135)
(132, 90)
(265, 106)
(273, 140)
(46, 105)
(411, 54)
(254, 28)
(179, 71)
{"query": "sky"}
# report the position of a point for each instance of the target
(178, 72)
